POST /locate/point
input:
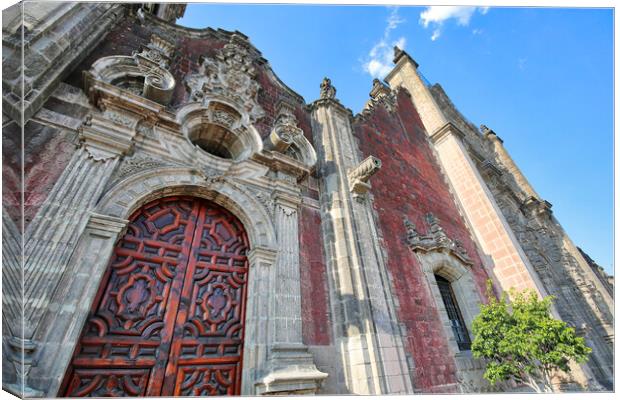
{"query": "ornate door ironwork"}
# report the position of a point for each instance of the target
(168, 318)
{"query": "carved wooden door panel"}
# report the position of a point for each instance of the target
(168, 317)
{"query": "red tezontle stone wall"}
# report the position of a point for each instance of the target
(410, 184)
(316, 322)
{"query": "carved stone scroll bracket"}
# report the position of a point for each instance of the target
(291, 372)
(359, 176)
(435, 240)
(20, 354)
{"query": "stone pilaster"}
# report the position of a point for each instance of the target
(69, 307)
(291, 365)
(511, 266)
(52, 236)
(373, 358)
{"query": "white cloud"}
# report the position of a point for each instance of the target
(521, 61)
(435, 16)
(379, 61)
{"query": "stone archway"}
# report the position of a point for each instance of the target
(106, 224)
(168, 318)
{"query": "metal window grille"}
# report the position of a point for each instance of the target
(454, 314)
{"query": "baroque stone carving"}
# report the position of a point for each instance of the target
(327, 90)
(104, 141)
(157, 52)
(380, 94)
(132, 166)
(20, 354)
(231, 76)
(435, 240)
(150, 63)
(285, 129)
(154, 60)
(359, 176)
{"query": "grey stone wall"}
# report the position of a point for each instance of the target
(582, 299)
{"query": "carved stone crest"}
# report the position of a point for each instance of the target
(435, 240)
(230, 75)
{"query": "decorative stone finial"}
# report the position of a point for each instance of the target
(379, 89)
(400, 53)
(327, 90)
(485, 129)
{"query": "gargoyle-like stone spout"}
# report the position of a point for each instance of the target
(359, 176)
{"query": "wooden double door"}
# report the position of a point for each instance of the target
(168, 319)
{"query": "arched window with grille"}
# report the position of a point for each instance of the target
(454, 313)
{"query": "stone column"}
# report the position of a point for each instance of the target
(511, 266)
(291, 365)
(53, 234)
(365, 326)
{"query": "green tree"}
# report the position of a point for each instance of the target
(520, 340)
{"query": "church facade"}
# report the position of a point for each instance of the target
(189, 225)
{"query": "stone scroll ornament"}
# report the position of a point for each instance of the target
(435, 240)
(229, 76)
(154, 61)
(285, 129)
(151, 62)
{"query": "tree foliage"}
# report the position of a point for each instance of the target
(520, 340)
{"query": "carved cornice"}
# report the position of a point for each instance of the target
(446, 130)
(435, 240)
(107, 136)
(280, 162)
(106, 225)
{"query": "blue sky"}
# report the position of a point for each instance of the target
(542, 78)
